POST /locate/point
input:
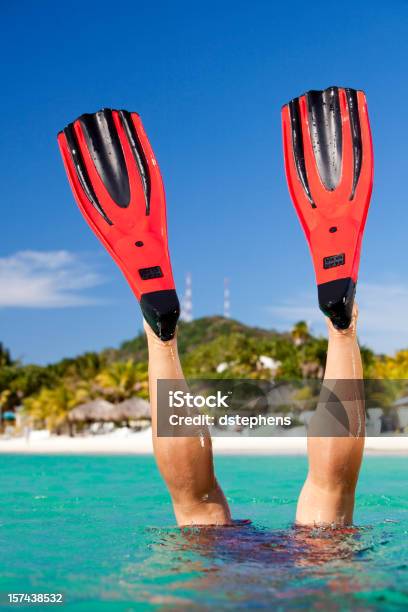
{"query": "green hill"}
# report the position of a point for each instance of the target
(209, 347)
(192, 335)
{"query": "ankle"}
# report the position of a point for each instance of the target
(154, 341)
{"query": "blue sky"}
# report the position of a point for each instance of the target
(209, 80)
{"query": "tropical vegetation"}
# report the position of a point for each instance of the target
(210, 347)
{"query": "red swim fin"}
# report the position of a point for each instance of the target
(329, 169)
(117, 184)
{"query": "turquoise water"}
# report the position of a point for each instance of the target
(101, 530)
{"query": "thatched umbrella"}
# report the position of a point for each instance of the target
(97, 410)
(132, 409)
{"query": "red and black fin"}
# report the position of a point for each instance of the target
(329, 169)
(117, 184)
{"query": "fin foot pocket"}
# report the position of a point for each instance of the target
(161, 309)
(336, 299)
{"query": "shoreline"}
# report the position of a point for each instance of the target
(41, 443)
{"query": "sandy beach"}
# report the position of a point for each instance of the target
(125, 443)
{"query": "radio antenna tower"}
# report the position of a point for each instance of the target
(187, 301)
(227, 302)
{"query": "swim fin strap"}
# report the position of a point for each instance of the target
(329, 169)
(117, 184)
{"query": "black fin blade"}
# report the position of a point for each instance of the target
(138, 154)
(161, 310)
(105, 149)
(325, 127)
(336, 299)
(352, 104)
(81, 170)
(298, 149)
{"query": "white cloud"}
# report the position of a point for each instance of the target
(45, 279)
(383, 320)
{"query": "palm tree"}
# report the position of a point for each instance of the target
(5, 358)
(393, 367)
(52, 406)
(300, 333)
(4, 398)
(123, 379)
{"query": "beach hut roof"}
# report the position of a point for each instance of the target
(97, 410)
(101, 410)
(133, 409)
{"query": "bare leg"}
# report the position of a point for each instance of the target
(186, 464)
(327, 496)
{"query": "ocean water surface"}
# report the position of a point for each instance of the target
(101, 531)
